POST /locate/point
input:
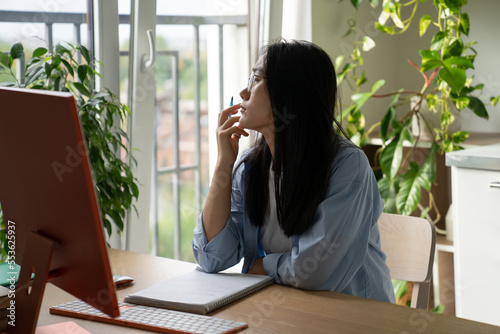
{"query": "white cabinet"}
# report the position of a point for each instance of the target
(476, 207)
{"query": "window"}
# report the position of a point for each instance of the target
(201, 61)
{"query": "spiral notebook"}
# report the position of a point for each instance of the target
(198, 291)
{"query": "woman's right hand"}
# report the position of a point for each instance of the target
(228, 135)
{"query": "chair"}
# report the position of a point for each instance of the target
(409, 244)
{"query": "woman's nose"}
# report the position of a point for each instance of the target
(245, 94)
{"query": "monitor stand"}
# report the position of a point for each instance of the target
(29, 293)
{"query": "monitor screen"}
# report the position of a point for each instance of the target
(46, 187)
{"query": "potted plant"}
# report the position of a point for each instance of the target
(446, 67)
(447, 87)
(58, 70)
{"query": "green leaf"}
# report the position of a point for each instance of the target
(135, 189)
(385, 122)
(477, 106)
(466, 90)
(454, 50)
(39, 52)
(454, 77)
(107, 225)
(356, 56)
(347, 68)
(34, 75)
(494, 100)
(430, 60)
(430, 64)
(61, 50)
(82, 72)
(464, 25)
(81, 88)
(462, 102)
(356, 3)
(387, 30)
(429, 54)
(4, 60)
(361, 98)
(361, 80)
(85, 53)
(377, 85)
(391, 157)
(389, 118)
(431, 102)
(56, 60)
(17, 51)
(102, 95)
(460, 136)
(453, 5)
(438, 309)
(428, 169)
(68, 67)
(424, 212)
(388, 193)
(410, 191)
(48, 69)
(414, 180)
(439, 40)
(459, 61)
(400, 288)
(425, 21)
(470, 44)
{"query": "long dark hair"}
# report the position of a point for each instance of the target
(302, 88)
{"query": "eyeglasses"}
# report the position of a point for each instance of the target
(251, 81)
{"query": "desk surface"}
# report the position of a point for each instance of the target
(275, 309)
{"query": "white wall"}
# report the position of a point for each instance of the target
(484, 29)
(388, 60)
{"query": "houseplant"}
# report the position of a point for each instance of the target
(447, 71)
(447, 66)
(58, 70)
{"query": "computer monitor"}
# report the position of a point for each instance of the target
(48, 196)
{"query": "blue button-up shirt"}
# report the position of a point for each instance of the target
(340, 252)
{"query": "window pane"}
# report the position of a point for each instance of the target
(33, 22)
(177, 41)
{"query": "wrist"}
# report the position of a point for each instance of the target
(224, 165)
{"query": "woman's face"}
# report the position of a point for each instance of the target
(256, 111)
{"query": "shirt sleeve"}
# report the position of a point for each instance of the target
(226, 248)
(328, 255)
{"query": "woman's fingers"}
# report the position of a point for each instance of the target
(224, 114)
(229, 128)
(229, 133)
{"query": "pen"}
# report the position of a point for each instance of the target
(230, 104)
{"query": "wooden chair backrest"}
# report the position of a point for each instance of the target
(409, 244)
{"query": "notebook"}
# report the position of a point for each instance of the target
(198, 291)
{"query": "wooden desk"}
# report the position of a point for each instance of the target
(275, 309)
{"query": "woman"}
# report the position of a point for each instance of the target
(302, 205)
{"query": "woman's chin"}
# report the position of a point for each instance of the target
(242, 122)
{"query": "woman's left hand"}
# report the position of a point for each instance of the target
(257, 267)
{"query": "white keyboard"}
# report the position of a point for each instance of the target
(152, 318)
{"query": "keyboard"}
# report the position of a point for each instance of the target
(152, 318)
